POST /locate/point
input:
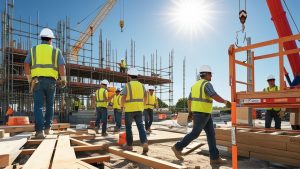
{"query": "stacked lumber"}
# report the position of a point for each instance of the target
(276, 146)
(30, 127)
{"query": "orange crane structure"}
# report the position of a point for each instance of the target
(287, 97)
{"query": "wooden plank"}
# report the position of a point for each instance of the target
(64, 156)
(27, 151)
(146, 160)
(83, 137)
(30, 128)
(193, 149)
(293, 147)
(84, 165)
(96, 159)
(88, 148)
(79, 143)
(42, 155)
(34, 141)
(10, 148)
(278, 159)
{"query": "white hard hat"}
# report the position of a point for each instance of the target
(205, 68)
(270, 77)
(47, 33)
(119, 89)
(133, 72)
(105, 82)
(151, 88)
(122, 59)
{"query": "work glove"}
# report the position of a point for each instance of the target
(227, 103)
(190, 117)
(63, 81)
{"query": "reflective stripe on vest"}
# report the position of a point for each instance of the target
(134, 98)
(44, 61)
(272, 89)
(101, 94)
(200, 101)
(150, 101)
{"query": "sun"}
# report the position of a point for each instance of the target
(192, 17)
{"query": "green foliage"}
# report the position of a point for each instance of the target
(161, 104)
(182, 104)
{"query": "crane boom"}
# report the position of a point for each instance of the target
(92, 27)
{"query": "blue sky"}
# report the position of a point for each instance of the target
(147, 23)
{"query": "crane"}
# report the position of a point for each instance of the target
(92, 27)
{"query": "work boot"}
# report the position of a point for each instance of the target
(127, 148)
(48, 131)
(148, 132)
(104, 134)
(97, 130)
(39, 135)
(177, 153)
(145, 148)
(218, 161)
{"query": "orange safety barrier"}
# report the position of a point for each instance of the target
(122, 138)
(18, 120)
(162, 116)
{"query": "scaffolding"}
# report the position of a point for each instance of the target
(84, 73)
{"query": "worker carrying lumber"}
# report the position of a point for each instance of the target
(134, 97)
(117, 108)
(9, 112)
(123, 65)
(200, 105)
(148, 112)
(76, 104)
(272, 112)
(42, 66)
(102, 100)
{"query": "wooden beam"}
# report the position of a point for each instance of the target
(27, 151)
(148, 161)
(42, 155)
(84, 165)
(64, 156)
(79, 143)
(193, 149)
(34, 142)
(10, 148)
(83, 137)
(30, 128)
(96, 159)
(88, 148)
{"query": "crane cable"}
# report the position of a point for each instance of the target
(291, 17)
(78, 23)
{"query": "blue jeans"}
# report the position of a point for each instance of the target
(201, 121)
(270, 114)
(118, 117)
(45, 88)
(148, 114)
(101, 115)
(138, 117)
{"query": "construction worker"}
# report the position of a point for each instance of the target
(42, 66)
(133, 100)
(148, 112)
(200, 104)
(76, 104)
(272, 112)
(101, 107)
(9, 112)
(123, 65)
(117, 109)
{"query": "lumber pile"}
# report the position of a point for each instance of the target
(30, 128)
(276, 146)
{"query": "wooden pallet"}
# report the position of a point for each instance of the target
(276, 146)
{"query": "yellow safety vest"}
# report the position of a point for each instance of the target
(117, 102)
(76, 103)
(123, 64)
(272, 89)
(151, 100)
(135, 97)
(44, 61)
(200, 101)
(101, 94)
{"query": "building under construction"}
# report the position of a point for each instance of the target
(92, 63)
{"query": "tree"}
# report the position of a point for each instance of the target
(182, 104)
(161, 104)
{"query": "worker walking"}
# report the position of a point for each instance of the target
(117, 108)
(76, 104)
(133, 99)
(123, 65)
(272, 112)
(9, 112)
(148, 112)
(42, 66)
(200, 104)
(101, 107)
